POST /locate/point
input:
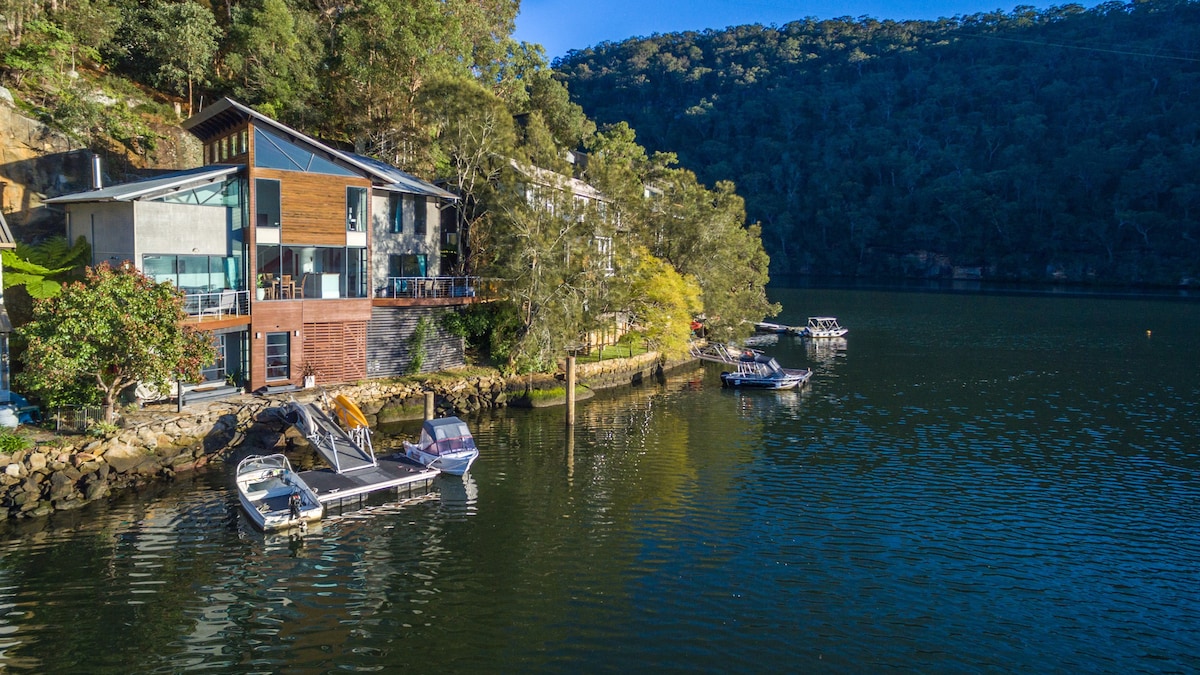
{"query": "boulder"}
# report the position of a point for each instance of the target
(124, 458)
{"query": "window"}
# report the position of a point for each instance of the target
(356, 209)
(605, 251)
(215, 372)
(396, 213)
(274, 152)
(419, 215)
(356, 273)
(194, 273)
(321, 271)
(279, 355)
(267, 204)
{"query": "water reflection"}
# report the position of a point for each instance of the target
(979, 501)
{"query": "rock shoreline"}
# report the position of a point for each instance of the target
(156, 443)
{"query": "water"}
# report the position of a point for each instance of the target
(971, 483)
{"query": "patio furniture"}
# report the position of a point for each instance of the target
(226, 302)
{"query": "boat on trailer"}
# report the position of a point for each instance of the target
(823, 327)
(446, 444)
(273, 495)
(764, 372)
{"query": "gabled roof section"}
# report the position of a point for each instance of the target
(404, 182)
(151, 187)
(557, 181)
(228, 113)
(6, 238)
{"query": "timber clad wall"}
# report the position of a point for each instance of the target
(313, 205)
(391, 330)
(336, 350)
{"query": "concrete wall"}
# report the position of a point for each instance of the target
(386, 243)
(108, 227)
(128, 230)
(181, 229)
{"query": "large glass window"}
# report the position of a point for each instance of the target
(195, 273)
(356, 273)
(226, 194)
(267, 206)
(215, 372)
(410, 265)
(396, 212)
(356, 209)
(420, 214)
(317, 271)
(275, 152)
(279, 355)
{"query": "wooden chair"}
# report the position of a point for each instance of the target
(269, 281)
(287, 288)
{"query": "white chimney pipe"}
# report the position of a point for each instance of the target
(97, 181)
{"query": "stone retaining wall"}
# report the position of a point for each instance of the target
(157, 442)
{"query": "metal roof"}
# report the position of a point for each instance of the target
(404, 182)
(150, 187)
(228, 113)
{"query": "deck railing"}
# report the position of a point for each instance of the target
(217, 304)
(430, 287)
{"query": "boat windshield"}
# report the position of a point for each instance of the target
(446, 438)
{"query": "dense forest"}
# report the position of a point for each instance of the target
(440, 89)
(1056, 144)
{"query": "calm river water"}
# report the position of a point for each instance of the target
(972, 483)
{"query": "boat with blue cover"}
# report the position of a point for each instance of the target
(761, 371)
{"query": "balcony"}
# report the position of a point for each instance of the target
(433, 290)
(217, 305)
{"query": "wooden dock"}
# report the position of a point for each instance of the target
(394, 473)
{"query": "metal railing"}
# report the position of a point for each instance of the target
(217, 304)
(429, 287)
(77, 419)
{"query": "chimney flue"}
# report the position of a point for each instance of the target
(97, 181)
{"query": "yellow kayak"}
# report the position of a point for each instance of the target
(348, 413)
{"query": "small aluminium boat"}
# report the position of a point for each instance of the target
(768, 327)
(272, 494)
(446, 444)
(823, 327)
(764, 372)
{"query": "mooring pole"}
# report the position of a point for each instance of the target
(570, 390)
(428, 405)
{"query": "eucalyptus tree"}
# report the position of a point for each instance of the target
(473, 140)
(273, 55)
(382, 52)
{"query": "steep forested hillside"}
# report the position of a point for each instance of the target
(1039, 144)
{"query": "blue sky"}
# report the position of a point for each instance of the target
(561, 25)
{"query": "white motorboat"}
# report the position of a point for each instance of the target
(823, 327)
(274, 496)
(446, 444)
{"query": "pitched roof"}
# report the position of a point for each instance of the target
(227, 113)
(404, 182)
(150, 188)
